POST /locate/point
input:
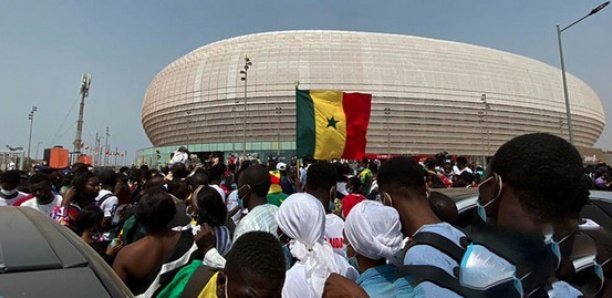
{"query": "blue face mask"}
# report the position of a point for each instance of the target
(354, 262)
(482, 269)
(481, 209)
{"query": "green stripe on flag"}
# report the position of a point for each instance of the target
(305, 127)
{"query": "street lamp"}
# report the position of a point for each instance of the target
(31, 118)
(487, 107)
(387, 114)
(244, 73)
(279, 111)
(570, 128)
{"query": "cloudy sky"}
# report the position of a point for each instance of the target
(45, 46)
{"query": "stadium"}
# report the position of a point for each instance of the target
(427, 95)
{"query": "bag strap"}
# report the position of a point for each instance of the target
(103, 198)
(438, 276)
(439, 242)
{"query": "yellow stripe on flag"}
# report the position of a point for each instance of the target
(330, 124)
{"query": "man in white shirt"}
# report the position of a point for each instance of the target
(9, 194)
(321, 183)
(44, 201)
(106, 200)
(253, 186)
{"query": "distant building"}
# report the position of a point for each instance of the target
(428, 95)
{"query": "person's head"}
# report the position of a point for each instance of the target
(537, 176)
(444, 207)
(86, 186)
(40, 186)
(179, 189)
(108, 178)
(462, 162)
(179, 171)
(253, 185)
(321, 181)
(255, 267)
(401, 177)
(374, 234)
(197, 179)
(208, 206)
(89, 218)
(155, 210)
(9, 181)
(216, 173)
(302, 218)
(355, 186)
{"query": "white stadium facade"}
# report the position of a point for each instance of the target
(427, 95)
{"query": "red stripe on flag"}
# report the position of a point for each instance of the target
(357, 108)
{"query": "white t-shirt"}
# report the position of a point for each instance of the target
(10, 202)
(109, 206)
(44, 209)
(334, 228)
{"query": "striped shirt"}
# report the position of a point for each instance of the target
(260, 218)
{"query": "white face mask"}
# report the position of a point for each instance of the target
(8, 192)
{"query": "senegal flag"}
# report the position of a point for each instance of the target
(332, 124)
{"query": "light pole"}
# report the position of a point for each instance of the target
(387, 114)
(244, 73)
(31, 118)
(279, 111)
(188, 134)
(570, 127)
(85, 83)
(487, 107)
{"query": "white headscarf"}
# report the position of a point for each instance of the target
(302, 218)
(374, 231)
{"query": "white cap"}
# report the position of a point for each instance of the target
(281, 166)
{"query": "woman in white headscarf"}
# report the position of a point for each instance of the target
(375, 241)
(301, 219)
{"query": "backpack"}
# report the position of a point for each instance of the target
(434, 274)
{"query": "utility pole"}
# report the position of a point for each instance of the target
(85, 83)
(106, 149)
(96, 156)
(244, 73)
(31, 118)
(487, 107)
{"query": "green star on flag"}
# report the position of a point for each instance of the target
(331, 122)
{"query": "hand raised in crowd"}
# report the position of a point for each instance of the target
(337, 286)
(206, 238)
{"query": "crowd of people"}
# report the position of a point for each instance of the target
(338, 229)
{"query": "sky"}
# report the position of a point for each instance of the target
(45, 46)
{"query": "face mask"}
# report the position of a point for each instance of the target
(243, 198)
(481, 209)
(482, 269)
(331, 206)
(8, 193)
(354, 262)
(289, 261)
(554, 246)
